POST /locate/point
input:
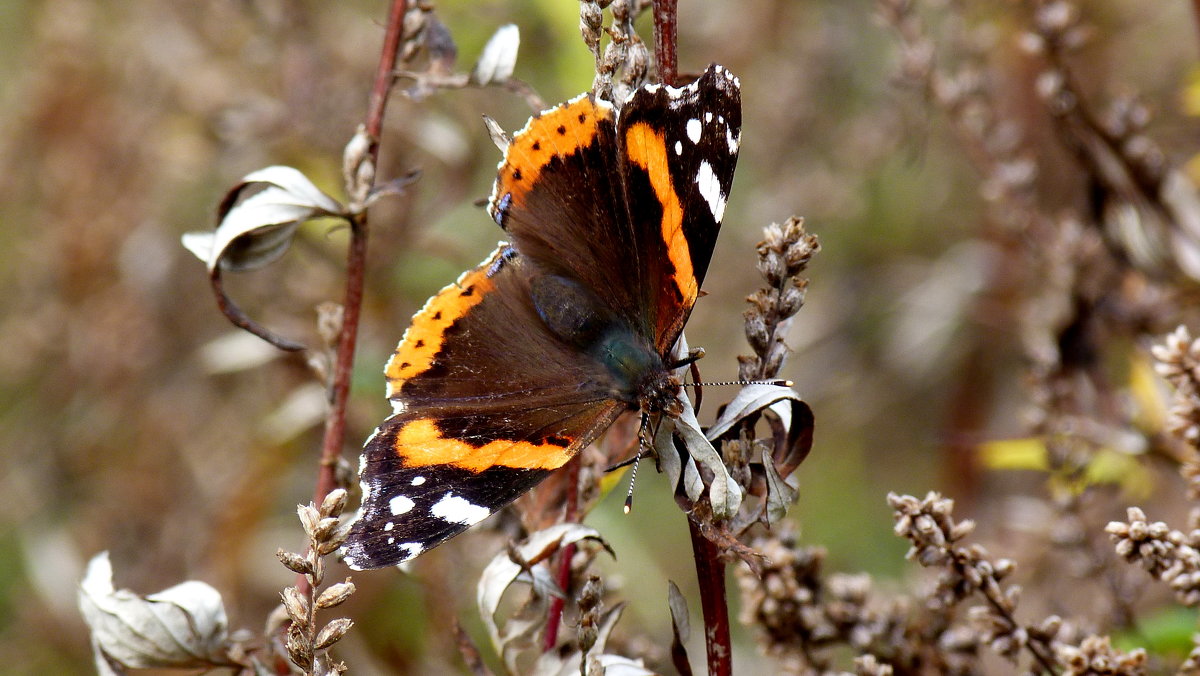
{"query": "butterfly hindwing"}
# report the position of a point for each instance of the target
(475, 425)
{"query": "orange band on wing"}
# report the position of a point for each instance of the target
(559, 131)
(420, 443)
(423, 340)
(647, 148)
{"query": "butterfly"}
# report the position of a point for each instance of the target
(612, 216)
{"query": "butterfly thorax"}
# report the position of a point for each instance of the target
(632, 370)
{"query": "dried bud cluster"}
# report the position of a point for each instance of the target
(783, 255)
(929, 525)
(1167, 554)
(591, 612)
(1179, 363)
(625, 50)
(1096, 656)
(307, 644)
(804, 617)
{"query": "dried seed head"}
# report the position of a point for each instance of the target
(299, 652)
(294, 562)
(309, 518)
(333, 632)
(334, 503)
(296, 605)
(335, 594)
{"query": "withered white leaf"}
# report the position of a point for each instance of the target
(499, 56)
(680, 622)
(553, 663)
(502, 573)
(780, 493)
(752, 399)
(184, 626)
(255, 230)
(724, 493)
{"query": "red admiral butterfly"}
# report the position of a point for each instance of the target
(507, 373)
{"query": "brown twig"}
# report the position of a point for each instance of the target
(571, 515)
(335, 422)
(666, 14)
(240, 319)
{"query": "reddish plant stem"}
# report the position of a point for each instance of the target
(710, 568)
(666, 13)
(710, 574)
(335, 422)
(554, 618)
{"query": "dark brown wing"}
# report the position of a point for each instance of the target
(559, 196)
(487, 403)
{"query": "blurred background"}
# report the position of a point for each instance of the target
(134, 419)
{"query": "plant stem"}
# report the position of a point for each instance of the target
(710, 574)
(554, 618)
(666, 14)
(335, 422)
(240, 319)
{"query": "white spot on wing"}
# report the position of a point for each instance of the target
(388, 526)
(710, 190)
(400, 505)
(679, 147)
(418, 480)
(708, 116)
(693, 130)
(411, 549)
(459, 510)
(733, 141)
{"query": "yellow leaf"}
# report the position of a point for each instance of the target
(1029, 453)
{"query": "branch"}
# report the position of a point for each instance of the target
(335, 423)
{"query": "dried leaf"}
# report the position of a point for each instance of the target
(502, 572)
(680, 629)
(499, 56)
(255, 229)
(723, 493)
(780, 494)
(795, 418)
(183, 627)
(554, 664)
(750, 401)
(680, 623)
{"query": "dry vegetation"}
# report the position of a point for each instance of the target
(1003, 310)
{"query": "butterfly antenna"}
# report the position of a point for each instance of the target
(645, 443)
(632, 479)
(783, 383)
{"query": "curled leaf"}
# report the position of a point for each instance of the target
(256, 228)
(182, 627)
(795, 429)
(598, 662)
(780, 493)
(723, 493)
(680, 629)
(499, 56)
(503, 572)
